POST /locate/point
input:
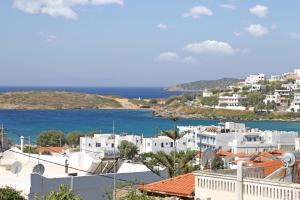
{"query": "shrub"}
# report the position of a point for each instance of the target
(51, 138)
(9, 193)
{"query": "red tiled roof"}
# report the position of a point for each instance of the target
(41, 150)
(263, 154)
(183, 186)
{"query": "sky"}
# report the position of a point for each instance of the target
(123, 43)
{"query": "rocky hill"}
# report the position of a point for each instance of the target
(201, 85)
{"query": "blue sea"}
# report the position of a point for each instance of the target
(32, 122)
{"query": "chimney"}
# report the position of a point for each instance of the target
(22, 143)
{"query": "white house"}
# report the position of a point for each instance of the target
(237, 138)
(163, 143)
(297, 72)
(207, 93)
(295, 106)
(234, 100)
(283, 92)
(275, 78)
(272, 98)
(257, 87)
(107, 143)
(255, 78)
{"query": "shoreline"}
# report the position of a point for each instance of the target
(163, 117)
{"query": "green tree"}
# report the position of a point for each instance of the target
(127, 149)
(51, 138)
(183, 160)
(174, 135)
(64, 193)
(9, 193)
(217, 163)
(210, 101)
(31, 150)
(73, 138)
(133, 195)
(254, 98)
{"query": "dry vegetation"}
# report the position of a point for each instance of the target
(61, 100)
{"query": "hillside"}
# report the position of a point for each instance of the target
(201, 85)
(61, 100)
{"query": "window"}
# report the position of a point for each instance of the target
(112, 145)
(162, 145)
(171, 144)
(98, 144)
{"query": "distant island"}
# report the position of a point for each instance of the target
(204, 84)
(47, 100)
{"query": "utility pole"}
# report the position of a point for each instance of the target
(114, 188)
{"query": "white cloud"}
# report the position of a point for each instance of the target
(257, 30)
(51, 38)
(228, 6)
(198, 11)
(174, 57)
(259, 10)
(189, 59)
(210, 46)
(162, 26)
(55, 8)
(294, 36)
(168, 57)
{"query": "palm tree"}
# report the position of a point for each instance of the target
(166, 160)
(174, 135)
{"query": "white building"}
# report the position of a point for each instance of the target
(163, 143)
(107, 143)
(275, 78)
(234, 100)
(295, 106)
(222, 186)
(283, 93)
(207, 93)
(237, 138)
(257, 87)
(272, 98)
(255, 78)
(297, 72)
(88, 177)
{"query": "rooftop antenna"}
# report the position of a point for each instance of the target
(16, 167)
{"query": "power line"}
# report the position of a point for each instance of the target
(74, 168)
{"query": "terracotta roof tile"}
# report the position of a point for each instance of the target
(41, 150)
(182, 186)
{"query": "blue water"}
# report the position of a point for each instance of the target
(31, 122)
(128, 92)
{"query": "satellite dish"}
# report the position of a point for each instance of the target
(16, 167)
(39, 169)
(208, 155)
